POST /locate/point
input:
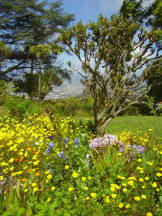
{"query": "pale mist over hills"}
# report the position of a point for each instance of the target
(67, 89)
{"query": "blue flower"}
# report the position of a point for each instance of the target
(76, 142)
(48, 150)
(51, 170)
(50, 137)
(61, 154)
(139, 149)
(51, 144)
(66, 140)
(121, 149)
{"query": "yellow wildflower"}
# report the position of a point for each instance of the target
(34, 184)
(35, 189)
(131, 183)
(121, 205)
(87, 198)
(150, 163)
(147, 178)
(149, 214)
(137, 198)
(66, 167)
(25, 190)
(49, 177)
(107, 199)
(1, 178)
(85, 188)
(11, 160)
(48, 200)
(141, 180)
(70, 189)
(154, 185)
(113, 196)
(53, 188)
(158, 174)
(127, 206)
(84, 178)
(158, 189)
(143, 196)
(75, 175)
(113, 189)
(93, 195)
(125, 190)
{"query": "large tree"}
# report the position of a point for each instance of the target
(153, 77)
(37, 84)
(149, 15)
(24, 24)
(112, 54)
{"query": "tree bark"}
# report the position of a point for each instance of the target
(101, 127)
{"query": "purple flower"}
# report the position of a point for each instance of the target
(76, 142)
(50, 137)
(51, 144)
(66, 140)
(121, 149)
(106, 140)
(61, 154)
(48, 150)
(139, 149)
(51, 170)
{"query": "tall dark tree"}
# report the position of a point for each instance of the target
(151, 17)
(142, 12)
(24, 24)
(132, 9)
(37, 84)
(153, 77)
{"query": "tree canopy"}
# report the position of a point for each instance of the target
(24, 24)
(111, 53)
(150, 16)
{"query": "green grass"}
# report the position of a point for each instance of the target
(79, 109)
(136, 123)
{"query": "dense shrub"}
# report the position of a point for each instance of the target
(138, 109)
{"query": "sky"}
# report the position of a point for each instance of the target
(87, 10)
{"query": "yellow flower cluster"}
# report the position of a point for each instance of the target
(23, 148)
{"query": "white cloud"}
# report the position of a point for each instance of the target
(102, 5)
(110, 4)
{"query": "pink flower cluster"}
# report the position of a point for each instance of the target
(106, 140)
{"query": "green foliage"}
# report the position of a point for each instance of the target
(27, 24)
(4, 51)
(133, 9)
(153, 77)
(19, 108)
(42, 50)
(113, 78)
(6, 88)
(38, 85)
